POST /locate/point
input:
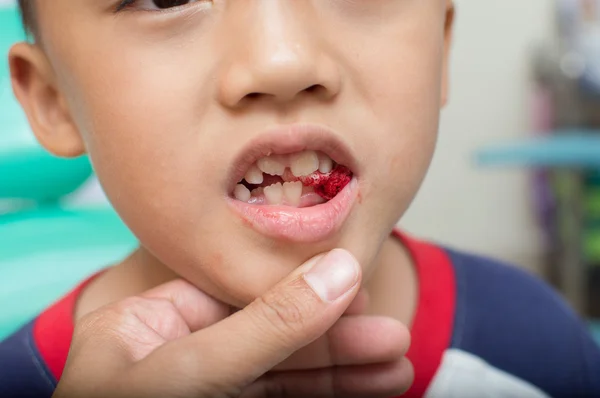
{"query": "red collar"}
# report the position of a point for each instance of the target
(431, 330)
(53, 330)
(433, 324)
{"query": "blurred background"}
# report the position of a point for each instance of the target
(519, 151)
(516, 174)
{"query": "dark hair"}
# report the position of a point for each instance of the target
(28, 15)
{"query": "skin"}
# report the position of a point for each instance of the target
(162, 343)
(161, 103)
(164, 102)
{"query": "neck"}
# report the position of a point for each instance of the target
(136, 274)
(391, 289)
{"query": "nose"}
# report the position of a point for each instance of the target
(277, 55)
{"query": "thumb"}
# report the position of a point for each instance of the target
(236, 351)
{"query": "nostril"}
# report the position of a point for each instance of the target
(253, 95)
(314, 89)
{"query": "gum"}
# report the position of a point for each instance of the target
(329, 185)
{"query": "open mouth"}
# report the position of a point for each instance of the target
(297, 183)
(303, 179)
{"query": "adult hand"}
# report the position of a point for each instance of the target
(175, 341)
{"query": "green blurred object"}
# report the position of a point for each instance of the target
(26, 170)
(46, 252)
(31, 173)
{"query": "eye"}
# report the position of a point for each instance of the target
(153, 5)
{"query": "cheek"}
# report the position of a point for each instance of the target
(141, 126)
(144, 166)
(409, 99)
(143, 108)
(142, 136)
(406, 107)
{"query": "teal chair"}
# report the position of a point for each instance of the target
(44, 252)
(45, 248)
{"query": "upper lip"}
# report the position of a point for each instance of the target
(283, 140)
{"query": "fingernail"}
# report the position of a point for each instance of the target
(334, 275)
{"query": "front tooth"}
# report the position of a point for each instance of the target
(292, 191)
(258, 191)
(304, 163)
(254, 175)
(325, 164)
(271, 165)
(242, 193)
(274, 194)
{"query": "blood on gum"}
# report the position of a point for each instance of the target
(328, 185)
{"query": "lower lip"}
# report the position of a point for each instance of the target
(302, 225)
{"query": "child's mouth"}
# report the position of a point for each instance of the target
(303, 179)
(297, 183)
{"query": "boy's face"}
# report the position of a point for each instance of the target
(175, 105)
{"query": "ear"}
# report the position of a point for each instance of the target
(448, 33)
(34, 85)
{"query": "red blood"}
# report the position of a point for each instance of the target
(328, 185)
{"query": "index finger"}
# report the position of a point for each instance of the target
(358, 340)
